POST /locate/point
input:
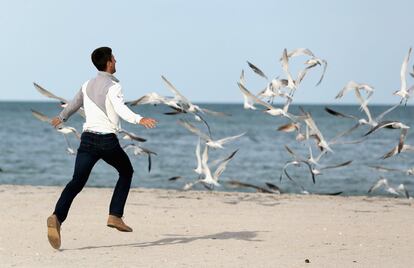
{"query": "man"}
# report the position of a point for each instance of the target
(103, 103)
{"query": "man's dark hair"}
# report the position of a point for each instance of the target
(100, 57)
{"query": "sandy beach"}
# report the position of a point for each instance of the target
(207, 229)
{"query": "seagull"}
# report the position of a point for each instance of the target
(299, 52)
(273, 88)
(389, 124)
(209, 142)
(383, 182)
(154, 98)
(206, 178)
(198, 169)
(316, 133)
(185, 106)
(312, 62)
(60, 128)
(352, 85)
(403, 92)
(138, 150)
(394, 151)
(369, 121)
(308, 162)
(248, 100)
(285, 67)
(131, 136)
(270, 109)
(49, 94)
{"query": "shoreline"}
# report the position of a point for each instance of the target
(379, 195)
(207, 229)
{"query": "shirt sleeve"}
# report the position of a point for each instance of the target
(72, 107)
(117, 99)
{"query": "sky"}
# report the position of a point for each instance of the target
(202, 46)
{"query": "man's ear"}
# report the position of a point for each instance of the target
(108, 65)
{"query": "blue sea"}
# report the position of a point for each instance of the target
(33, 153)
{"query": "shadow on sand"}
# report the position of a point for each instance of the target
(182, 239)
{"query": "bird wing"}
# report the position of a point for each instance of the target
(364, 105)
(381, 182)
(40, 116)
(249, 95)
(379, 126)
(339, 114)
(403, 134)
(175, 91)
(47, 93)
(385, 169)
(228, 139)
(299, 52)
(403, 71)
(257, 70)
(193, 129)
(132, 135)
(222, 166)
(338, 165)
(325, 65)
(379, 117)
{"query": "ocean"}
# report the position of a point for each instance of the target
(33, 153)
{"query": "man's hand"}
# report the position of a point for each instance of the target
(55, 121)
(148, 122)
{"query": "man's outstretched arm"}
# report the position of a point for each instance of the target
(117, 99)
(69, 110)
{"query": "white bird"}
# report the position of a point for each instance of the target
(154, 98)
(313, 62)
(316, 133)
(383, 182)
(299, 52)
(138, 150)
(404, 92)
(369, 121)
(206, 178)
(285, 67)
(394, 150)
(198, 169)
(388, 124)
(211, 143)
(273, 87)
(131, 136)
(354, 86)
(270, 109)
(49, 94)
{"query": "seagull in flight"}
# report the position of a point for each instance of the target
(404, 92)
(62, 101)
(138, 150)
(209, 142)
(208, 179)
(269, 108)
(383, 183)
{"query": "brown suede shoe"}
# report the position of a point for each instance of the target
(53, 231)
(118, 223)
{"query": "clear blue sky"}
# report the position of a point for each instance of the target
(201, 46)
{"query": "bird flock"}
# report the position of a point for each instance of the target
(302, 125)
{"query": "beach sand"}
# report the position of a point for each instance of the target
(207, 229)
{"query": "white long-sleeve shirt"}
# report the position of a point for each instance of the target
(103, 103)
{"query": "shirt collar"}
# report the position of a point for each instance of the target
(110, 76)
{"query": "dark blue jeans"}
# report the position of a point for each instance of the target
(92, 148)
